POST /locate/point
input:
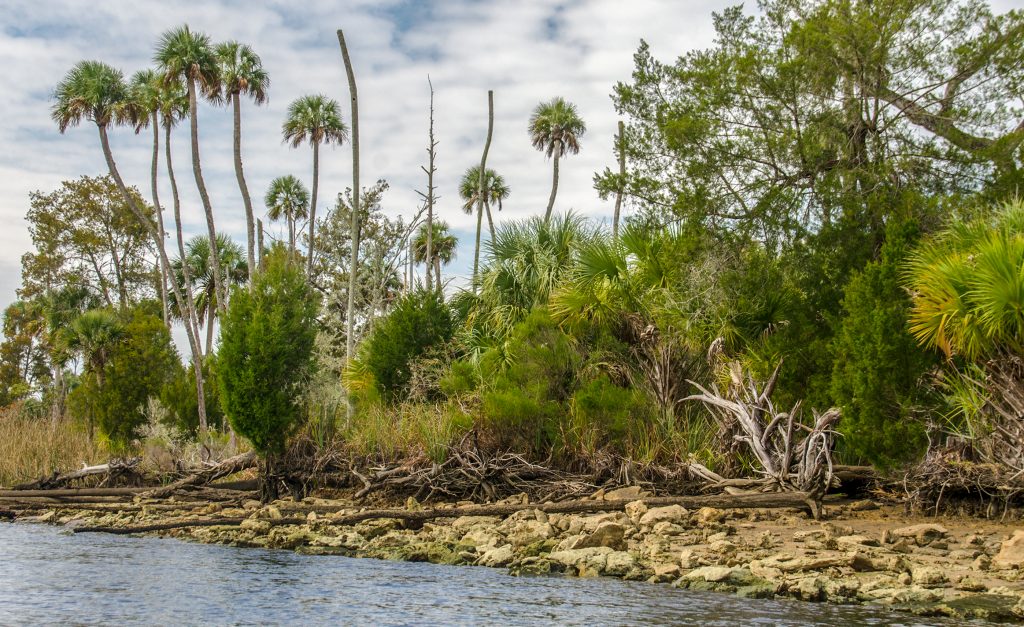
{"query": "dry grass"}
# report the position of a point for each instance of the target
(30, 448)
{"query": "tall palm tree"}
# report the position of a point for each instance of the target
(287, 198)
(199, 258)
(242, 73)
(555, 129)
(97, 92)
(495, 190)
(146, 88)
(186, 56)
(316, 119)
(436, 238)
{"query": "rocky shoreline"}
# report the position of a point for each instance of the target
(863, 553)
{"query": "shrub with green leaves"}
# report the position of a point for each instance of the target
(418, 321)
(265, 353)
(182, 403)
(878, 368)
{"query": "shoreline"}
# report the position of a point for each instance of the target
(863, 553)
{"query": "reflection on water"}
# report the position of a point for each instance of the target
(48, 575)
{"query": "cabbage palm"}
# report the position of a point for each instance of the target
(442, 247)
(242, 73)
(287, 198)
(315, 119)
(97, 92)
(495, 190)
(967, 286)
(188, 57)
(93, 336)
(555, 129)
(234, 269)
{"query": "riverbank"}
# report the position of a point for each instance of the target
(863, 553)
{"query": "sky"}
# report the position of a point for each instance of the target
(527, 51)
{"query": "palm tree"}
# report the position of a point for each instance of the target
(495, 190)
(97, 92)
(441, 244)
(316, 119)
(185, 56)
(146, 88)
(287, 198)
(234, 269)
(241, 72)
(93, 336)
(555, 129)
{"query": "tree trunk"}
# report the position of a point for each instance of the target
(186, 305)
(354, 258)
(554, 185)
(481, 190)
(430, 193)
(209, 329)
(312, 210)
(622, 179)
(197, 171)
(259, 242)
(437, 272)
(150, 227)
(490, 220)
(246, 200)
(159, 216)
(476, 249)
(291, 236)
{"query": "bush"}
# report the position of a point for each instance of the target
(418, 321)
(876, 376)
(182, 403)
(265, 353)
(138, 368)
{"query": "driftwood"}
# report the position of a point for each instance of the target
(114, 469)
(802, 500)
(788, 461)
(227, 467)
(61, 492)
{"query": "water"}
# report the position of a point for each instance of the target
(48, 576)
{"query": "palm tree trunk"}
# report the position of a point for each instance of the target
(554, 186)
(312, 209)
(622, 179)
(354, 235)
(159, 214)
(149, 226)
(291, 237)
(490, 220)
(197, 171)
(210, 312)
(259, 245)
(186, 305)
(246, 200)
(476, 250)
(437, 272)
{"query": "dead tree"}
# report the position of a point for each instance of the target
(791, 455)
(428, 198)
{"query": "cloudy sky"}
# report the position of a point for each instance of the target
(526, 51)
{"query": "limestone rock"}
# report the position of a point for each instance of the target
(670, 513)
(709, 515)
(618, 564)
(922, 534)
(609, 534)
(631, 493)
(497, 557)
(855, 541)
(928, 576)
(636, 510)
(1011, 552)
(719, 574)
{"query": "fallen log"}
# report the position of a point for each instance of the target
(800, 500)
(113, 469)
(60, 492)
(227, 467)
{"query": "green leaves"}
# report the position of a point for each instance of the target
(556, 127)
(92, 91)
(316, 119)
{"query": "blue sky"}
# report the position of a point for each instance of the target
(526, 51)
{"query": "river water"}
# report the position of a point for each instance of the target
(50, 576)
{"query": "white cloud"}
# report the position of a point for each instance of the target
(527, 51)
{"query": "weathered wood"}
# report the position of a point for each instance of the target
(800, 500)
(60, 492)
(114, 467)
(227, 467)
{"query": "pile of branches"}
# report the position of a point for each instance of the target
(954, 476)
(790, 455)
(116, 472)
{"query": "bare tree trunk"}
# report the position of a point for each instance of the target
(291, 237)
(246, 199)
(432, 151)
(312, 209)
(151, 228)
(197, 171)
(354, 258)
(621, 145)
(554, 185)
(259, 242)
(480, 191)
(209, 328)
(490, 220)
(187, 306)
(159, 216)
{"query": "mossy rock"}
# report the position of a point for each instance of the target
(993, 607)
(538, 548)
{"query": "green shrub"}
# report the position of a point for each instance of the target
(878, 368)
(265, 353)
(139, 366)
(418, 321)
(608, 408)
(182, 403)
(462, 377)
